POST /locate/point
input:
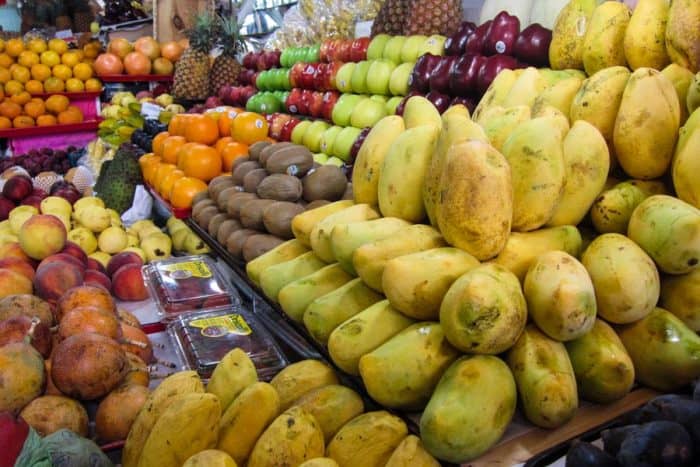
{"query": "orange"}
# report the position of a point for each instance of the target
(46, 120)
(62, 71)
(202, 162)
(14, 47)
(21, 74)
(166, 184)
(92, 49)
(34, 87)
(149, 164)
(13, 87)
(171, 146)
(70, 58)
(184, 189)
(35, 108)
(2, 44)
(21, 98)
(175, 126)
(82, 71)
(37, 45)
(161, 172)
(5, 75)
(225, 120)
(221, 144)
(10, 109)
(249, 127)
(23, 121)
(74, 85)
(50, 58)
(5, 60)
(54, 84)
(202, 129)
(28, 58)
(93, 84)
(5, 123)
(40, 72)
(71, 115)
(183, 152)
(58, 45)
(231, 152)
(57, 103)
(157, 144)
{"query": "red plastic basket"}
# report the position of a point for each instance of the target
(70, 95)
(50, 130)
(180, 213)
(135, 78)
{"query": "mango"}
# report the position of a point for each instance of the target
(291, 439)
(644, 42)
(559, 95)
(603, 368)
(665, 352)
(319, 462)
(681, 78)
(23, 374)
(496, 93)
(368, 164)
(560, 296)
(296, 296)
(419, 111)
(681, 296)
(246, 419)
(349, 447)
(321, 233)
(297, 379)
(411, 453)
(401, 180)
(603, 45)
(466, 416)
(370, 259)
(647, 124)
(625, 278)
(346, 238)
(682, 35)
(668, 229)
(363, 333)
(190, 424)
(484, 311)
(612, 210)
(210, 458)
(692, 99)
(545, 379)
(475, 206)
(235, 372)
(303, 223)
(415, 284)
(498, 126)
(686, 166)
(535, 155)
(403, 372)
(566, 48)
(329, 311)
(526, 88)
(275, 277)
(332, 406)
(522, 248)
(281, 253)
(586, 167)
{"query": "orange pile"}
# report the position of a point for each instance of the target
(23, 111)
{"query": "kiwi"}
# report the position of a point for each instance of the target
(226, 228)
(317, 204)
(256, 245)
(348, 192)
(277, 218)
(251, 214)
(252, 179)
(205, 216)
(215, 223)
(218, 180)
(255, 150)
(292, 160)
(197, 207)
(327, 182)
(239, 161)
(201, 196)
(268, 151)
(214, 192)
(235, 241)
(243, 169)
(235, 201)
(280, 187)
(225, 194)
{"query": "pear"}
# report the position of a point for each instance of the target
(179, 237)
(112, 240)
(131, 239)
(84, 238)
(195, 245)
(88, 201)
(8, 237)
(101, 257)
(156, 246)
(174, 224)
(19, 216)
(55, 205)
(148, 231)
(138, 251)
(93, 217)
(115, 218)
(138, 225)
(5, 227)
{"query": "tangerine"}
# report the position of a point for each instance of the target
(202, 162)
(225, 120)
(21, 73)
(34, 87)
(202, 129)
(54, 84)
(70, 58)
(50, 58)
(93, 84)
(184, 190)
(5, 123)
(231, 152)
(13, 87)
(10, 109)
(74, 85)
(58, 45)
(249, 128)
(71, 115)
(28, 58)
(35, 108)
(21, 98)
(14, 47)
(40, 72)
(157, 143)
(46, 120)
(37, 45)
(82, 71)
(221, 144)
(23, 121)
(5, 60)
(170, 148)
(2, 44)
(57, 103)
(5, 75)
(62, 71)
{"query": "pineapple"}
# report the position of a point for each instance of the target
(391, 18)
(226, 68)
(433, 17)
(191, 80)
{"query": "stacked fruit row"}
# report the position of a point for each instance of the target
(143, 57)
(23, 111)
(250, 211)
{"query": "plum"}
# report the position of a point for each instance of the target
(584, 454)
(660, 443)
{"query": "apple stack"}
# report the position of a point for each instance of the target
(253, 63)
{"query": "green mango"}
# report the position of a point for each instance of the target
(296, 296)
(274, 278)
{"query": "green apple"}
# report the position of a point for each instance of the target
(379, 74)
(328, 137)
(343, 77)
(261, 81)
(344, 141)
(392, 49)
(312, 135)
(358, 82)
(378, 98)
(392, 104)
(375, 50)
(335, 161)
(320, 158)
(344, 107)
(299, 130)
(313, 54)
(367, 113)
(409, 51)
(284, 58)
(398, 84)
(434, 44)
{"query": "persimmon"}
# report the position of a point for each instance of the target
(231, 152)
(184, 190)
(161, 172)
(184, 151)
(221, 144)
(170, 147)
(166, 184)
(149, 164)
(157, 144)
(249, 128)
(202, 162)
(202, 129)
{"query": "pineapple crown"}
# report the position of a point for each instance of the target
(229, 37)
(202, 33)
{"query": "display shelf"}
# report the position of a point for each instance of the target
(70, 95)
(126, 24)
(135, 78)
(50, 130)
(180, 213)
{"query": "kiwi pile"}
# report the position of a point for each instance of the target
(250, 211)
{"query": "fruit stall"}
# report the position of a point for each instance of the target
(386, 233)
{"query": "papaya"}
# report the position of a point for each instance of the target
(681, 78)
(603, 368)
(275, 277)
(332, 406)
(681, 296)
(297, 379)
(545, 379)
(682, 36)
(303, 224)
(210, 458)
(559, 95)
(466, 416)
(319, 462)
(321, 233)
(526, 88)
(296, 296)
(411, 453)
(281, 253)
(403, 372)
(496, 93)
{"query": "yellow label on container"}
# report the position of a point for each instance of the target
(222, 325)
(187, 270)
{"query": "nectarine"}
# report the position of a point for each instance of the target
(42, 235)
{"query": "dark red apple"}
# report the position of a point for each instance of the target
(93, 264)
(246, 93)
(402, 105)
(464, 74)
(249, 60)
(358, 49)
(343, 50)
(286, 133)
(272, 59)
(17, 188)
(439, 100)
(440, 76)
(329, 100)
(455, 44)
(307, 76)
(419, 80)
(66, 191)
(502, 34)
(469, 102)
(477, 40)
(292, 102)
(532, 46)
(13, 433)
(493, 66)
(295, 74)
(32, 200)
(355, 148)
(316, 104)
(6, 205)
(234, 96)
(320, 77)
(224, 92)
(39, 192)
(260, 62)
(331, 72)
(212, 102)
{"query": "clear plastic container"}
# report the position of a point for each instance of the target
(204, 338)
(188, 283)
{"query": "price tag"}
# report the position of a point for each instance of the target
(363, 28)
(64, 34)
(150, 111)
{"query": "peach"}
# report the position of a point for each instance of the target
(120, 259)
(26, 305)
(97, 279)
(51, 389)
(137, 342)
(129, 318)
(18, 328)
(12, 283)
(42, 235)
(19, 266)
(60, 258)
(53, 280)
(128, 284)
(138, 371)
(93, 264)
(89, 319)
(75, 251)
(13, 250)
(85, 295)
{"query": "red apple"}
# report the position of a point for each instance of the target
(307, 76)
(286, 133)
(320, 77)
(464, 74)
(249, 60)
(292, 102)
(295, 74)
(39, 192)
(212, 102)
(6, 205)
(419, 80)
(278, 122)
(326, 47)
(343, 51)
(13, 433)
(94, 265)
(32, 200)
(491, 68)
(455, 44)
(358, 49)
(439, 100)
(272, 59)
(17, 188)
(305, 102)
(440, 76)
(316, 104)
(331, 72)
(234, 95)
(329, 100)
